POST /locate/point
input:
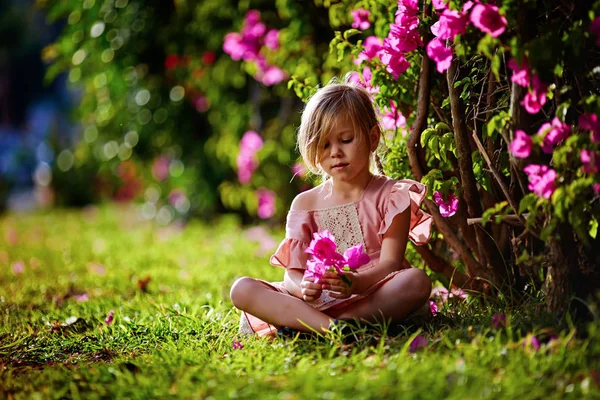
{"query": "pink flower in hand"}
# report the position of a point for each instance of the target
(591, 122)
(323, 246)
(315, 270)
(521, 74)
(447, 208)
(521, 144)
(590, 161)
(541, 180)
(442, 55)
(595, 29)
(361, 19)
(487, 18)
(356, 257)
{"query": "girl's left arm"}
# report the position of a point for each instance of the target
(391, 257)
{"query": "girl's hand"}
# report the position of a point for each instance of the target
(339, 288)
(310, 290)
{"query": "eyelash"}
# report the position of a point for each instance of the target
(347, 141)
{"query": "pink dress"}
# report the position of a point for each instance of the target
(363, 221)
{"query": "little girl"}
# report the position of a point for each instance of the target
(337, 138)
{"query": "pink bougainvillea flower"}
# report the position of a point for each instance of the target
(373, 46)
(266, 203)
(541, 180)
(447, 207)
(596, 187)
(299, 169)
(595, 29)
(498, 321)
(160, 168)
(440, 4)
(395, 63)
(272, 39)
(82, 298)
(110, 317)
(418, 343)
(18, 267)
(251, 142)
(323, 246)
(361, 19)
(272, 75)
(553, 133)
(592, 123)
(315, 270)
(531, 341)
(237, 345)
(442, 55)
(535, 97)
(392, 118)
(521, 145)
(521, 74)
(364, 80)
(433, 308)
(246, 165)
(402, 40)
(234, 46)
(407, 14)
(590, 161)
(450, 24)
(487, 18)
(356, 257)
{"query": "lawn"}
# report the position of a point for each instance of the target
(172, 328)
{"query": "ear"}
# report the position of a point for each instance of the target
(374, 137)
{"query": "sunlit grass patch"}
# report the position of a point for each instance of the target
(173, 328)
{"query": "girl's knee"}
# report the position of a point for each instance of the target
(240, 292)
(421, 283)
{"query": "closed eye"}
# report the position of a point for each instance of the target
(347, 141)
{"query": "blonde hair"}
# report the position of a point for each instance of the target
(323, 110)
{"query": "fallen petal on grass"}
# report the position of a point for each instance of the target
(110, 317)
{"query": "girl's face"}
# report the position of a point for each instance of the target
(344, 154)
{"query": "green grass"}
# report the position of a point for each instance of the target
(175, 338)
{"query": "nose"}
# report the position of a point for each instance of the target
(335, 151)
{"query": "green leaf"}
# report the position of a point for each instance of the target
(351, 32)
(527, 203)
(593, 230)
(425, 135)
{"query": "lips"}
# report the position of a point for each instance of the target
(340, 165)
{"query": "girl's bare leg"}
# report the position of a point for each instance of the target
(258, 299)
(395, 299)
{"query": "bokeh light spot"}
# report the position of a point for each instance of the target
(97, 29)
(142, 97)
(131, 138)
(90, 134)
(176, 168)
(78, 57)
(177, 93)
(65, 160)
(111, 149)
(43, 174)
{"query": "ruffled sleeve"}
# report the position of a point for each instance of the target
(291, 252)
(408, 193)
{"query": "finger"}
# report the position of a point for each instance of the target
(330, 282)
(310, 285)
(337, 288)
(337, 295)
(311, 292)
